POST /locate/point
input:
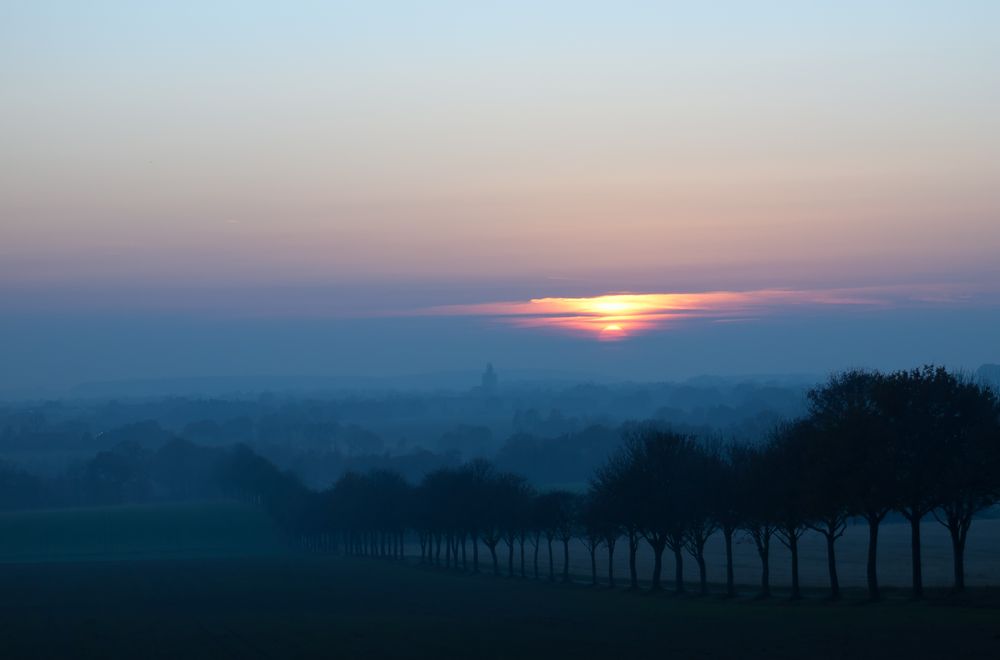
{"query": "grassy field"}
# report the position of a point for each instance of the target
(982, 557)
(299, 607)
(209, 580)
(189, 530)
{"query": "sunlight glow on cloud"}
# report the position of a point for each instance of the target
(618, 316)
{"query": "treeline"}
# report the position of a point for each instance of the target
(322, 433)
(923, 442)
(127, 473)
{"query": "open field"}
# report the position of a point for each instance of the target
(297, 607)
(215, 580)
(982, 557)
(227, 529)
(188, 530)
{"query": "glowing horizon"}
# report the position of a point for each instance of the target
(618, 316)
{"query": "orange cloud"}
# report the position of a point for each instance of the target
(617, 316)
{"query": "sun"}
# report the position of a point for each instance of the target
(612, 332)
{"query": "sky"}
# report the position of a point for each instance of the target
(375, 188)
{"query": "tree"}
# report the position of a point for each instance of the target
(658, 462)
(566, 523)
(603, 518)
(824, 474)
(488, 494)
(442, 511)
(594, 529)
(918, 407)
(785, 458)
(514, 495)
(970, 478)
(703, 478)
(757, 505)
(726, 506)
(550, 511)
(853, 458)
(614, 485)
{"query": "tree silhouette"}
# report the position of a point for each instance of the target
(614, 486)
(565, 523)
(918, 407)
(602, 518)
(726, 505)
(854, 457)
(702, 476)
(757, 504)
(970, 479)
(592, 531)
(784, 458)
(657, 461)
(549, 512)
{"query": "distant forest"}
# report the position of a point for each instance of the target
(552, 435)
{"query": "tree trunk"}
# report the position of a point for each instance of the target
(764, 551)
(633, 547)
(538, 542)
(730, 581)
(565, 577)
(593, 566)
(872, 569)
(657, 566)
(956, 529)
(918, 577)
(475, 553)
(611, 564)
(510, 557)
(552, 562)
(522, 556)
(793, 547)
(679, 569)
(493, 554)
(831, 562)
(702, 572)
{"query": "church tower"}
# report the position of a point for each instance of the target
(489, 380)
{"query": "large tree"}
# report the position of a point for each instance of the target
(970, 480)
(784, 458)
(919, 407)
(726, 506)
(614, 485)
(757, 505)
(704, 477)
(851, 462)
(658, 461)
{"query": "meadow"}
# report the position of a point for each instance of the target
(298, 607)
(160, 531)
(216, 580)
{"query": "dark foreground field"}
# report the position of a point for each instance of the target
(289, 607)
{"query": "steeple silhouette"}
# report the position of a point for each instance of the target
(489, 379)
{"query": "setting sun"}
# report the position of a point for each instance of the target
(612, 332)
(624, 315)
